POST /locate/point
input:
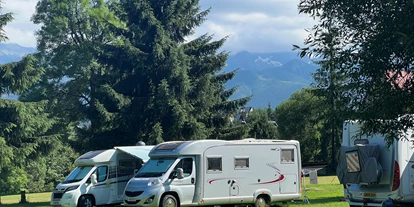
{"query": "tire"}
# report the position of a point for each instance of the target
(86, 201)
(169, 201)
(261, 202)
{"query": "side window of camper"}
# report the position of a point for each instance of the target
(187, 165)
(214, 164)
(128, 167)
(101, 173)
(288, 156)
(112, 172)
(241, 162)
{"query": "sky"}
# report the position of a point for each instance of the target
(252, 25)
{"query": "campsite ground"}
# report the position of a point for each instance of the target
(328, 192)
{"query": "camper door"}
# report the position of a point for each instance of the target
(186, 184)
(289, 166)
(101, 189)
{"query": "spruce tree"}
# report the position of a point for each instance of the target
(172, 84)
(24, 126)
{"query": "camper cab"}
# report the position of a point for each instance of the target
(217, 172)
(372, 174)
(100, 177)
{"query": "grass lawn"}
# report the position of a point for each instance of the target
(328, 192)
(33, 199)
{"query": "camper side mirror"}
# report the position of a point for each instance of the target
(179, 173)
(93, 179)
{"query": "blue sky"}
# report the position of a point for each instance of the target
(253, 25)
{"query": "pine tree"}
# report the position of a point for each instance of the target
(123, 72)
(24, 126)
(170, 83)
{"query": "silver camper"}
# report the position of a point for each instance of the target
(217, 172)
(100, 177)
(372, 174)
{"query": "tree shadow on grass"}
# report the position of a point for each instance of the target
(322, 200)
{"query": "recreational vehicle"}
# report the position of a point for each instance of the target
(217, 172)
(371, 173)
(99, 177)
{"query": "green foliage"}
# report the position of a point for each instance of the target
(47, 171)
(373, 49)
(260, 126)
(18, 76)
(26, 129)
(299, 118)
(6, 154)
(5, 18)
(155, 137)
(13, 179)
(131, 75)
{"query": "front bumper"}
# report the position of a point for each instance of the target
(148, 198)
(67, 199)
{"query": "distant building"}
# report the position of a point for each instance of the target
(242, 115)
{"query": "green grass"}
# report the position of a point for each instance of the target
(33, 199)
(328, 192)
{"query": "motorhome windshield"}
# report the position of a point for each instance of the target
(155, 167)
(77, 174)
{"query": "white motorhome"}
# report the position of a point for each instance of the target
(371, 173)
(100, 177)
(217, 172)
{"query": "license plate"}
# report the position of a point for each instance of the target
(370, 195)
(131, 199)
(55, 202)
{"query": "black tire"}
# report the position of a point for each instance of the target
(261, 202)
(169, 201)
(86, 201)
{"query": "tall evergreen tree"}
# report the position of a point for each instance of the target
(123, 72)
(169, 83)
(330, 84)
(24, 126)
(74, 82)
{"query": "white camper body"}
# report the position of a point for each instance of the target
(217, 172)
(366, 183)
(100, 177)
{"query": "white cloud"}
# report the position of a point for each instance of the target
(256, 26)
(21, 29)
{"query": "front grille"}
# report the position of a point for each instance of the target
(133, 193)
(132, 202)
(57, 195)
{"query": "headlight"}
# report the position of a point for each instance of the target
(72, 188)
(149, 200)
(155, 181)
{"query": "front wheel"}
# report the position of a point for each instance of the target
(169, 201)
(261, 202)
(85, 201)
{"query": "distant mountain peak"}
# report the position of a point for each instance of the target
(11, 52)
(269, 61)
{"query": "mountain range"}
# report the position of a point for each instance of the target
(269, 78)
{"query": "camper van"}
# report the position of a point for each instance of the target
(371, 173)
(217, 172)
(99, 177)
